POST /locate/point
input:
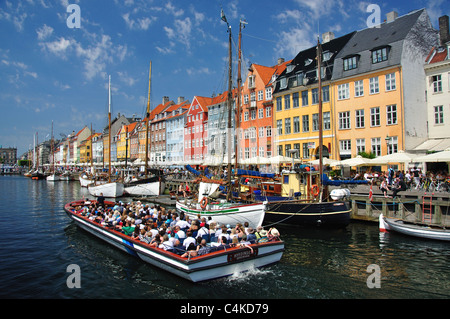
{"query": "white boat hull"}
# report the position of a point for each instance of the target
(84, 182)
(225, 213)
(53, 178)
(107, 189)
(214, 265)
(415, 230)
(145, 189)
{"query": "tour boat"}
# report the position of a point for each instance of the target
(216, 264)
(413, 229)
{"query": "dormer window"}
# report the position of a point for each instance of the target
(350, 63)
(308, 62)
(283, 83)
(327, 56)
(290, 68)
(380, 54)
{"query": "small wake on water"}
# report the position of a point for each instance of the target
(249, 275)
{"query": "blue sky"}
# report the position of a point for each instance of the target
(52, 72)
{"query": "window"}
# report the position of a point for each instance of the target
(390, 82)
(343, 91)
(287, 101)
(269, 93)
(326, 93)
(261, 131)
(391, 114)
(251, 81)
(350, 63)
(283, 83)
(295, 102)
(376, 146)
(287, 148)
(280, 127)
(392, 146)
(260, 95)
(253, 114)
(261, 113)
(326, 121)
(375, 116)
(287, 125)
(268, 131)
(360, 145)
(344, 120)
(437, 83)
(359, 118)
(268, 111)
(245, 116)
(315, 122)
(296, 124)
(304, 98)
(439, 114)
(279, 106)
(379, 55)
(315, 96)
(305, 147)
(359, 88)
(261, 151)
(280, 150)
(373, 85)
(345, 147)
(305, 123)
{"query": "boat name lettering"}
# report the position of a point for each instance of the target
(244, 254)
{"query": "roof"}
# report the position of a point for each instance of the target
(388, 34)
(436, 55)
(158, 109)
(305, 62)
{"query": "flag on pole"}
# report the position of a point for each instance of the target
(370, 193)
(222, 16)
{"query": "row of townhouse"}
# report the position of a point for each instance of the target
(378, 96)
(384, 89)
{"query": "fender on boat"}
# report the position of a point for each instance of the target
(384, 227)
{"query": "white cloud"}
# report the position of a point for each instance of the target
(293, 41)
(44, 32)
(174, 11)
(283, 17)
(124, 77)
(138, 24)
(58, 47)
(181, 31)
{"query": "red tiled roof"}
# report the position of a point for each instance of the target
(436, 55)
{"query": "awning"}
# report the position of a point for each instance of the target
(437, 144)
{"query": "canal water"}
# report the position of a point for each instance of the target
(39, 242)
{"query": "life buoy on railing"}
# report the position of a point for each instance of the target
(204, 202)
(315, 190)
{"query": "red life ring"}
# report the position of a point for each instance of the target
(204, 202)
(315, 190)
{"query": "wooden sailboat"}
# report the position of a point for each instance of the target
(148, 186)
(53, 177)
(37, 174)
(111, 188)
(224, 211)
(315, 207)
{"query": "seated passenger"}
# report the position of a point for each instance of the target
(191, 251)
(203, 249)
(273, 234)
(251, 237)
(263, 238)
(167, 244)
(128, 229)
(189, 239)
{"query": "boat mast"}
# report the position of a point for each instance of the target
(230, 101)
(147, 120)
(109, 129)
(319, 75)
(53, 151)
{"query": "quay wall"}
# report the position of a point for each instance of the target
(409, 207)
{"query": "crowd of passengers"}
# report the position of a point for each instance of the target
(177, 233)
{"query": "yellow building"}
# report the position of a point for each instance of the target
(379, 86)
(296, 103)
(123, 143)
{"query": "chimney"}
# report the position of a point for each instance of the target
(391, 16)
(443, 30)
(327, 36)
(280, 61)
(165, 99)
(180, 99)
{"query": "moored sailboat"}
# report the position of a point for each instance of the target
(110, 188)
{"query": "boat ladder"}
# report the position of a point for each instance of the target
(427, 209)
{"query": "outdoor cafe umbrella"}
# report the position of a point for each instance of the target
(357, 161)
(400, 157)
(443, 156)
